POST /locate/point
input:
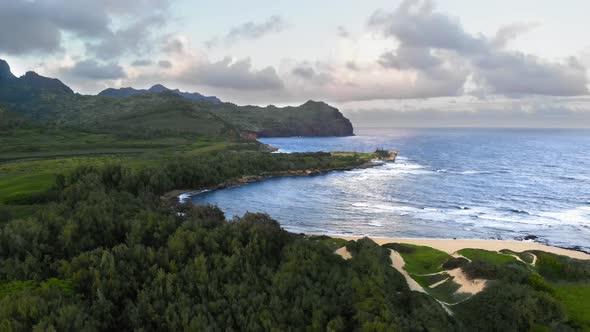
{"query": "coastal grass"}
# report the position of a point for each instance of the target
(447, 292)
(28, 177)
(524, 256)
(30, 159)
(575, 299)
(487, 256)
(332, 243)
(420, 259)
(429, 280)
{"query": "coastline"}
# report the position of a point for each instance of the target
(180, 195)
(451, 246)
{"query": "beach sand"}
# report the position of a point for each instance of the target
(451, 246)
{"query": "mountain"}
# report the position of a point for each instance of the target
(158, 88)
(38, 82)
(5, 73)
(161, 110)
(27, 88)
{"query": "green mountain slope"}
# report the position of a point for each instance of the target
(49, 100)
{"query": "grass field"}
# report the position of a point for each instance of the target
(575, 298)
(32, 156)
(487, 256)
(420, 259)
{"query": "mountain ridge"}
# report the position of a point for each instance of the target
(157, 88)
(159, 109)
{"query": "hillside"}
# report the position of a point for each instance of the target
(160, 109)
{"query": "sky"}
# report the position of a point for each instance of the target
(416, 63)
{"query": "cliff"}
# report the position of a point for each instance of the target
(310, 119)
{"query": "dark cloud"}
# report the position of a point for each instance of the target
(39, 26)
(164, 64)
(136, 38)
(93, 70)
(304, 72)
(228, 74)
(427, 39)
(142, 63)
(308, 73)
(250, 31)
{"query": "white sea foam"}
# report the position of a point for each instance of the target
(184, 197)
(482, 216)
(468, 172)
(579, 215)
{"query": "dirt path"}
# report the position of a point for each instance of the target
(398, 263)
(472, 286)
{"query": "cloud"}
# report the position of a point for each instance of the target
(309, 74)
(250, 31)
(37, 26)
(164, 64)
(135, 38)
(539, 113)
(410, 58)
(415, 24)
(351, 65)
(305, 72)
(142, 63)
(342, 32)
(230, 74)
(515, 74)
(42, 26)
(428, 39)
(91, 69)
(509, 32)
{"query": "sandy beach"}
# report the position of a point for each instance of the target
(451, 245)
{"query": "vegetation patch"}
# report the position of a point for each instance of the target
(558, 268)
(429, 280)
(526, 257)
(487, 256)
(420, 259)
(575, 298)
(332, 243)
(447, 292)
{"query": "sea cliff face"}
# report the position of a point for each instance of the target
(335, 127)
(310, 119)
(314, 119)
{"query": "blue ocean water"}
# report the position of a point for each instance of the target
(449, 183)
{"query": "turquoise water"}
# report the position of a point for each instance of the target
(451, 183)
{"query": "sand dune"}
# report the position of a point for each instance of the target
(451, 245)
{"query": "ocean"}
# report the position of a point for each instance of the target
(446, 183)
